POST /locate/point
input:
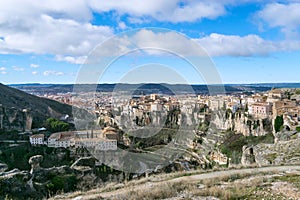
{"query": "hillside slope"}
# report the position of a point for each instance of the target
(12, 105)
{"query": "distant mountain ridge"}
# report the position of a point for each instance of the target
(153, 87)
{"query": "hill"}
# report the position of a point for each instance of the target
(18, 109)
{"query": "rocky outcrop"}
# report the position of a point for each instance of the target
(248, 157)
(14, 119)
(282, 152)
(241, 123)
(35, 161)
(37, 183)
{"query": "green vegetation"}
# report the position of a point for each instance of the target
(233, 144)
(12, 135)
(18, 156)
(64, 183)
(298, 129)
(54, 125)
(278, 123)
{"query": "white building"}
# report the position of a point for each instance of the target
(37, 139)
(101, 144)
(63, 139)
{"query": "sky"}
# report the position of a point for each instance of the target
(245, 41)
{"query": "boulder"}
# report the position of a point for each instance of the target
(35, 161)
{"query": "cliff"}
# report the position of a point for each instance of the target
(239, 122)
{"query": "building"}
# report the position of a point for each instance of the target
(153, 96)
(233, 106)
(37, 139)
(101, 144)
(62, 139)
(156, 107)
(261, 109)
(286, 106)
(111, 133)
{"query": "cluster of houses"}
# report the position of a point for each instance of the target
(103, 140)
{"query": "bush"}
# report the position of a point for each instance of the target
(278, 123)
(298, 129)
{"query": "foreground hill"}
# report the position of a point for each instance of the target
(276, 182)
(19, 109)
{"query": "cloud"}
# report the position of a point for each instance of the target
(122, 25)
(34, 65)
(71, 59)
(168, 10)
(49, 27)
(19, 69)
(285, 16)
(233, 45)
(34, 72)
(215, 44)
(53, 73)
(3, 70)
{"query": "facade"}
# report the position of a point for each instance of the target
(261, 109)
(97, 144)
(37, 139)
(62, 139)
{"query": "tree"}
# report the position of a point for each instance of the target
(278, 123)
(54, 125)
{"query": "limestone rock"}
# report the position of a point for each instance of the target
(35, 161)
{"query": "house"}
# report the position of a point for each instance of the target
(261, 109)
(233, 106)
(37, 139)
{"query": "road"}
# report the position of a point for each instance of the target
(193, 178)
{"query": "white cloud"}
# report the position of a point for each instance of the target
(233, 45)
(285, 16)
(34, 65)
(53, 73)
(214, 44)
(166, 10)
(16, 68)
(49, 27)
(3, 70)
(34, 72)
(122, 25)
(71, 59)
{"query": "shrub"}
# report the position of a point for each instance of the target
(278, 123)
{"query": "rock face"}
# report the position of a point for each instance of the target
(241, 123)
(282, 152)
(248, 157)
(37, 183)
(14, 119)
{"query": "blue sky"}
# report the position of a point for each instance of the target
(248, 41)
